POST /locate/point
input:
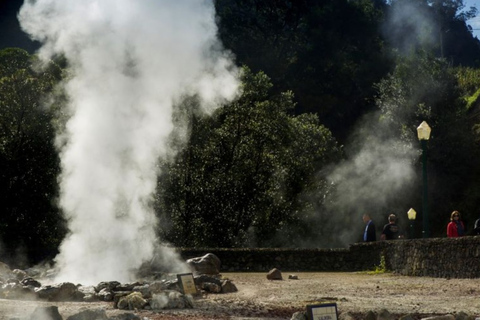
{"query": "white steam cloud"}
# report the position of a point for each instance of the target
(376, 178)
(130, 62)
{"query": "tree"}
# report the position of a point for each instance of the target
(241, 177)
(29, 161)
(329, 52)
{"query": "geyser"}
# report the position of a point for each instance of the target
(129, 63)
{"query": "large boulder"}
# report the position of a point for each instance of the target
(274, 274)
(65, 291)
(46, 313)
(90, 314)
(133, 301)
(208, 264)
(5, 272)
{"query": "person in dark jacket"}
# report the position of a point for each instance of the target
(369, 234)
(391, 231)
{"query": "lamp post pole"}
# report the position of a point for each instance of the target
(423, 132)
(426, 228)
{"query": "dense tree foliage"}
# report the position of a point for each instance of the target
(256, 171)
(328, 52)
(241, 177)
(29, 161)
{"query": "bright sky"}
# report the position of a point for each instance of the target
(475, 22)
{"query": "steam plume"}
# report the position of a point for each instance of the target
(130, 62)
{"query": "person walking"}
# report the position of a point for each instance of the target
(369, 234)
(391, 230)
(455, 227)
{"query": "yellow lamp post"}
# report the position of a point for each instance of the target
(423, 132)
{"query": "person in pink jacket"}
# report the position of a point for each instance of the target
(455, 228)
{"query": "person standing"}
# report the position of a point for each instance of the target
(391, 230)
(369, 234)
(476, 227)
(455, 228)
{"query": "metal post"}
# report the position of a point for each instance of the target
(426, 230)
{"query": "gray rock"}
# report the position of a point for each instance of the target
(370, 315)
(105, 295)
(65, 291)
(108, 285)
(441, 317)
(208, 264)
(171, 300)
(300, 315)
(90, 314)
(211, 287)
(274, 274)
(384, 315)
(228, 286)
(346, 316)
(19, 274)
(406, 317)
(46, 313)
(30, 282)
(126, 316)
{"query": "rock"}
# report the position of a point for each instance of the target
(46, 313)
(274, 274)
(370, 315)
(19, 274)
(292, 277)
(30, 282)
(126, 316)
(127, 286)
(144, 290)
(300, 315)
(346, 316)
(211, 287)
(384, 315)
(228, 286)
(108, 285)
(90, 314)
(463, 316)
(15, 290)
(105, 295)
(88, 292)
(5, 272)
(134, 301)
(65, 291)
(406, 317)
(170, 300)
(157, 287)
(441, 317)
(208, 264)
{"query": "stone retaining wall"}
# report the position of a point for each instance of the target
(438, 257)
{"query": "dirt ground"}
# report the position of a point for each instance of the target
(259, 298)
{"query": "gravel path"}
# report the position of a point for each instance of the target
(259, 298)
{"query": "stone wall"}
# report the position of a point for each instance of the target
(438, 257)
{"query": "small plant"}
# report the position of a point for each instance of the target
(382, 268)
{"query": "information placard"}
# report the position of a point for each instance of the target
(187, 283)
(325, 311)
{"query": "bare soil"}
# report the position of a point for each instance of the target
(259, 298)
